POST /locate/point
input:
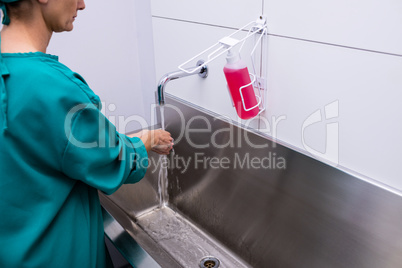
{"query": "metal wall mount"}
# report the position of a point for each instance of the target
(257, 29)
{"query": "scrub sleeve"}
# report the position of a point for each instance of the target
(96, 154)
(56, 151)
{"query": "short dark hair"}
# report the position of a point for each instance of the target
(17, 10)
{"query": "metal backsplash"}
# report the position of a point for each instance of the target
(285, 210)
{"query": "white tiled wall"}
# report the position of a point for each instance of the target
(305, 77)
(372, 25)
(339, 55)
(224, 13)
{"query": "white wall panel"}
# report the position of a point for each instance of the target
(229, 13)
(305, 77)
(373, 25)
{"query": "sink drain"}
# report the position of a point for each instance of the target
(209, 262)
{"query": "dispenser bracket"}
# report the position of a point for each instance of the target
(226, 43)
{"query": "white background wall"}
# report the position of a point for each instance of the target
(337, 54)
(111, 47)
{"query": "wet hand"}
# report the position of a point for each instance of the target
(162, 141)
(159, 141)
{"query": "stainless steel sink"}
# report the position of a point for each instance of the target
(297, 213)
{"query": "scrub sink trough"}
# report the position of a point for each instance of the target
(238, 199)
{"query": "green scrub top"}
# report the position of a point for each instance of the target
(56, 151)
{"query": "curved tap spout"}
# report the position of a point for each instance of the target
(202, 72)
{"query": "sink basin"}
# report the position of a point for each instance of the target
(247, 201)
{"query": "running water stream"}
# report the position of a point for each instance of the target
(162, 177)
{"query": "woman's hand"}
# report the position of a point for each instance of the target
(157, 140)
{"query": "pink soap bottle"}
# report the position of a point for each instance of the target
(237, 75)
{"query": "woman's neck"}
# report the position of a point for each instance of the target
(19, 37)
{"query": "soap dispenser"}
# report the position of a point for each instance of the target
(239, 84)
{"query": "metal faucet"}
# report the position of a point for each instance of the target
(203, 72)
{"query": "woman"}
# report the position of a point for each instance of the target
(56, 148)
